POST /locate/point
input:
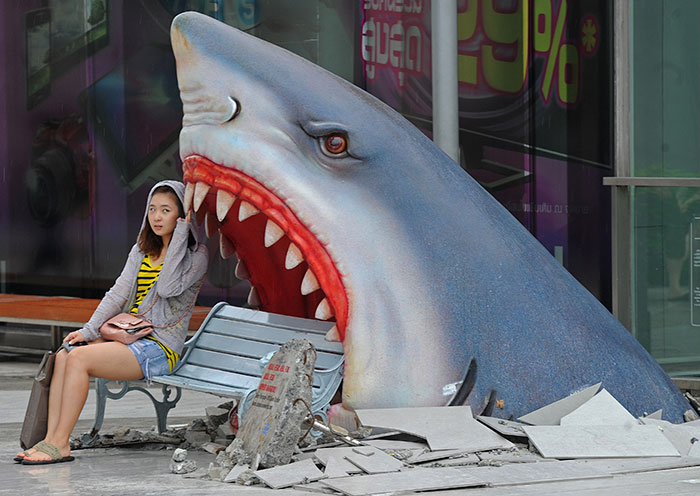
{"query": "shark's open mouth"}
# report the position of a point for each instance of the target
(289, 269)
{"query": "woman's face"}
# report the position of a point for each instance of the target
(163, 213)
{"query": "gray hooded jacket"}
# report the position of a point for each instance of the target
(176, 287)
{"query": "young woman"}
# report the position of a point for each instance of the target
(161, 277)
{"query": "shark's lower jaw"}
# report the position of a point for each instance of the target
(289, 269)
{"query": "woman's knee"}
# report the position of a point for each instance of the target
(61, 358)
(77, 358)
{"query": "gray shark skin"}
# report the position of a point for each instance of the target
(433, 271)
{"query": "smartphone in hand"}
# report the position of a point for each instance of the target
(68, 347)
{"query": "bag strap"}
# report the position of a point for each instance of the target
(194, 299)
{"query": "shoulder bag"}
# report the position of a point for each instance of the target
(128, 327)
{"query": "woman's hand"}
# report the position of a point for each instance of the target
(74, 337)
(188, 217)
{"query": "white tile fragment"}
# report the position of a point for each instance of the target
(323, 454)
(502, 426)
(334, 468)
(602, 409)
(417, 479)
(599, 441)
(391, 444)
(373, 460)
(656, 415)
(430, 456)
(288, 475)
(551, 414)
(235, 472)
(694, 451)
(680, 435)
(445, 427)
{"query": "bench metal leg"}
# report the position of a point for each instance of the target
(162, 407)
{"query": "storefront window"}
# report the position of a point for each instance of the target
(665, 132)
(535, 115)
(90, 114)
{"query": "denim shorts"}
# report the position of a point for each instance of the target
(151, 357)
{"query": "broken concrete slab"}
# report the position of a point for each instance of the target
(552, 413)
(681, 435)
(503, 427)
(619, 466)
(459, 461)
(334, 468)
(501, 457)
(233, 474)
(288, 475)
(417, 479)
(599, 441)
(395, 444)
(323, 454)
(602, 409)
(314, 487)
(658, 414)
(431, 456)
(373, 460)
(694, 451)
(271, 427)
(447, 427)
(531, 473)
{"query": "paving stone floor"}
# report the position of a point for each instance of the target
(142, 471)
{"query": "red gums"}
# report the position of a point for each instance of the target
(200, 169)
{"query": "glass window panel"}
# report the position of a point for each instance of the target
(665, 97)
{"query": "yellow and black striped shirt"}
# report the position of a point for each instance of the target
(146, 278)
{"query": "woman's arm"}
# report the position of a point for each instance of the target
(114, 300)
(182, 267)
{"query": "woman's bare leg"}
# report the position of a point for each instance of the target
(113, 361)
(56, 390)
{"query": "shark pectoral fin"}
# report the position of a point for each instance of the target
(460, 397)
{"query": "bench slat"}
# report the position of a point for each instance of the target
(224, 355)
(271, 319)
(217, 377)
(206, 359)
(220, 377)
(254, 349)
(251, 331)
(225, 361)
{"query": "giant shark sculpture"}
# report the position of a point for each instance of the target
(338, 208)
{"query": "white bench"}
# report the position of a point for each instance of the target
(226, 357)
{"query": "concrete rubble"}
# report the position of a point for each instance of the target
(390, 459)
(588, 436)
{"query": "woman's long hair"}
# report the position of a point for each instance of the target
(149, 242)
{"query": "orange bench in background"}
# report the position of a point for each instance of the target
(61, 313)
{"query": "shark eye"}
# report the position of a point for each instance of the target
(334, 145)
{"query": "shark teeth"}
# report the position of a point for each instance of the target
(246, 210)
(273, 233)
(211, 225)
(324, 310)
(253, 298)
(333, 335)
(242, 270)
(189, 195)
(226, 248)
(224, 202)
(309, 284)
(200, 192)
(230, 196)
(294, 257)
